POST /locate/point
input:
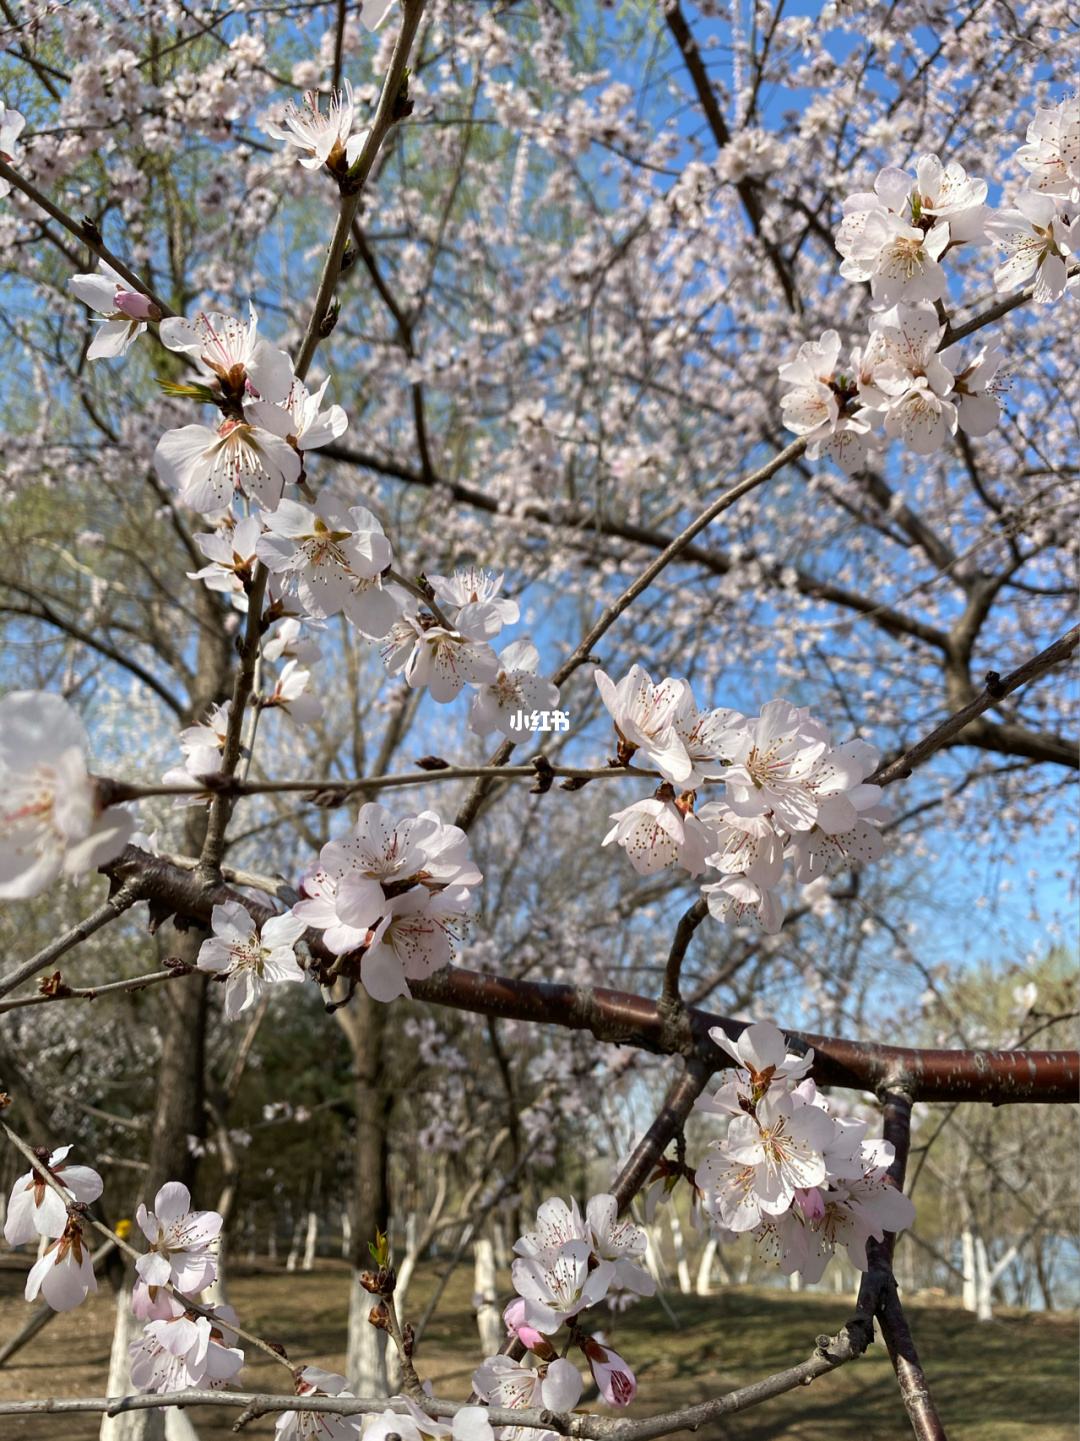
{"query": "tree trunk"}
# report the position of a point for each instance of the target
(967, 1254)
(310, 1240)
(365, 1362)
(984, 1308)
(682, 1270)
(364, 1023)
(486, 1293)
(179, 1095)
(705, 1267)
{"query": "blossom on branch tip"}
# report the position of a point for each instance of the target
(249, 958)
(126, 311)
(64, 1273)
(34, 1209)
(323, 137)
(53, 822)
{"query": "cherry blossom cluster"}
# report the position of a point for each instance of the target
(179, 1347)
(798, 1179)
(790, 795)
(894, 238)
(325, 557)
(566, 1265)
(390, 895)
(64, 1272)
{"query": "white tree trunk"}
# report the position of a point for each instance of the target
(216, 1294)
(132, 1425)
(292, 1259)
(486, 1291)
(794, 1281)
(682, 1270)
(967, 1255)
(503, 1255)
(984, 1307)
(346, 1235)
(705, 1266)
(653, 1259)
(309, 1241)
(178, 1426)
(409, 1260)
(365, 1364)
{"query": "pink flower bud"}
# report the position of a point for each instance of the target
(616, 1382)
(529, 1336)
(138, 306)
(811, 1203)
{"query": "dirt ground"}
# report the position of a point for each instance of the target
(1011, 1380)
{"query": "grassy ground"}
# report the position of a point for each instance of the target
(1012, 1380)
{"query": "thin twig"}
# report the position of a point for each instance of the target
(123, 899)
(86, 234)
(50, 1180)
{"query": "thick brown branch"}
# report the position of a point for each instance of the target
(626, 1019)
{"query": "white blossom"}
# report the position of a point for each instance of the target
(517, 686)
(35, 1209)
(427, 654)
(1052, 153)
(1034, 239)
(207, 465)
(322, 137)
(12, 124)
(179, 1241)
(250, 958)
(644, 716)
(321, 550)
(64, 1273)
(53, 821)
(657, 832)
(126, 311)
(292, 695)
(231, 553)
(229, 352)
